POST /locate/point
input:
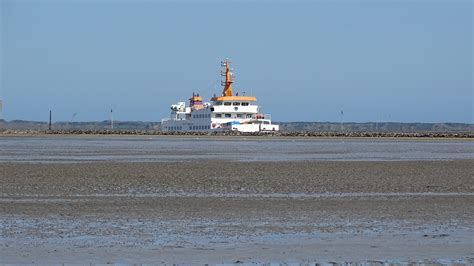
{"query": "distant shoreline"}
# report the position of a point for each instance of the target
(287, 129)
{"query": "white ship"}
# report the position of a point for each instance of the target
(225, 112)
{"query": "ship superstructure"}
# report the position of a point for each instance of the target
(224, 112)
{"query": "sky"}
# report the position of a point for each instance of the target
(399, 60)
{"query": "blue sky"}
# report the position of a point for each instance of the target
(408, 61)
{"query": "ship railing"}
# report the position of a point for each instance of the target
(262, 116)
(165, 119)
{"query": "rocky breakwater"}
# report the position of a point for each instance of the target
(29, 132)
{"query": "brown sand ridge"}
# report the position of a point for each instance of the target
(235, 177)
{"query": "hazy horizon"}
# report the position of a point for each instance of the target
(276, 121)
(388, 61)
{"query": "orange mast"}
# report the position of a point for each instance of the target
(229, 78)
(227, 92)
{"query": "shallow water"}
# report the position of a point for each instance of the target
(152, 149)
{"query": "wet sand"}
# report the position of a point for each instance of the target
(228, 212)
(210, 177)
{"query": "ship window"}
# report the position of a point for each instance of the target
(218, 115)
(266, 122)
(249, 116)
(227, 115)
(245, 104)
(218, 103)
(236, 103)
(227, 103)
(239, 115)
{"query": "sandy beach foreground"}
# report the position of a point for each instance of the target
(232, 212)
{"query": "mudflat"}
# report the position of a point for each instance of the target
(223, 211)
(211, 177)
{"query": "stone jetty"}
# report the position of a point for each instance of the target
(26, 132)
